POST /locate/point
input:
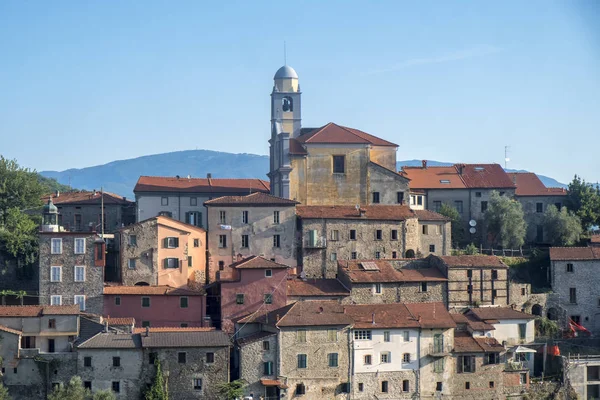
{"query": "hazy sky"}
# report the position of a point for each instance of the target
(88, 82)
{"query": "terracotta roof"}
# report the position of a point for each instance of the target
(150, 291)
(252, 200)
(485, 176)
(257, 262)
(174, 329)
(120, 321)
(433, 178)
(595, 239)
(181, 338)
(388, 170)
(427, 215)
(381, 213)
(296, 148)
(498, 313)
(87, 197)
(574, 253)
(380, 316)
(333, 133)
(10, 330)
(312, 313)
(273, 382)
(431, 315)
(528, 184)
(37, 311)
(112, 340)
(355, 271)
(316, 287)
(255, 337)
(473, 176)
(459, 318)
(199, 185)
(472, 261)
(266, 317)
(476, 324)
(465, 343)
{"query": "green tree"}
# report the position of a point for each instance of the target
(231, 390)
(584, 200)
(457, 224)
(18, 237)
(158, 390)
(104, 395)
(563, 228)
(506, 226)
(73, 390)
(4, 393)
(19, 188)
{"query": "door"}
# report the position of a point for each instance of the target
(271, 393)
(50, 345)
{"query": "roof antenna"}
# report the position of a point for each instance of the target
(284, 54)
(506, 159)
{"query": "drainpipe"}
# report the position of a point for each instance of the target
(179, 206)
(350, 363)
(417, 381)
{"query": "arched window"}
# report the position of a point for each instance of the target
(410, 253)
(287, 104)
(536, 310)
(142, 284)
(552, 314)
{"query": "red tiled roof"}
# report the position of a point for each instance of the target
(333, 133)
(379, 316)
(314, 313)
(254, 337)
(472, 261)
(595, 239)
(10, 330)
(498, 313)
(387, 169)
(432, 178)
(87, 197)
(476, 324)
(273, 382)
(485, 176)
(199, 185)
(120, 321)
(316, 287)
(36, 311)
(296, 148)
(257, 262)
(382, 213)
(574, 253)
(173, 329)
(431, 315)
(465, 343)
(427, 215)
(150, 291)
(528, 184)
(254, 199)
(473, 176)
(387, 273)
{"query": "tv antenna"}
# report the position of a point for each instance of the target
(506, 159)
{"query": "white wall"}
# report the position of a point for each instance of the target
(396, 346)
(508, 329)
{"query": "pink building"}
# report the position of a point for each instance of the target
(155, 306)
(253, 284)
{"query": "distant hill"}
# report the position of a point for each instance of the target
(120, 176)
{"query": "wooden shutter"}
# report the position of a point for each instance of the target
(176, 242)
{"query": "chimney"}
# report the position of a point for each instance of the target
(189, 176)
(461, 168)
(277, 317)
(373, 318)
(209, 176)
(419, 318)
(514, 181)
(344, 310)
(177, 176)
(57, 194)
(424, 162)
(147, 331)
(362, 212)
(106, 326)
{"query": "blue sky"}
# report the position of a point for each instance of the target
(87, 82)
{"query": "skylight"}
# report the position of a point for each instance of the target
(479, 169)
(444, 181)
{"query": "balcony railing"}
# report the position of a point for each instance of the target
(29, 353)
(439, 349)
(517, 365)
(315, 243)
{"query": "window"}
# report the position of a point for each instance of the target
(332, 335)
(425, 229)
(394, 234)
(338, 164)
(523, 378)
(79, 273)
(352, 234)
(361, 387)
(190, 260)
(145, 302)
(165, 214)
(268, 368)
(335, 234)
(491, 384)
(87, 385)
(276, 241)
(406, 336)
(386, 357)
(56, 246)
(183, 302)
(419, 200)
(394, 254)
(569, 267)
(458, 204)
(523, 292)
(573, 295)
(171, 262)
(438, 365)
(333, 256)
(470, 289)
(79, 245)
(268, 298)
(368, 360)
(375, 197)
(469, 273)
(193, 218)
(494, 293)
(378, 234)
(432, 248)
(492, 358)
(362, 335)
(55, 300)
(131, 263)
(494, 274)
(300, 389)
(400, 197)
(467, 385)
(576, 319)
(301, 335)
(222, 217)
(77, 220)
(244, 217)
(87, 361)
(423, 286)
(275, 217)
(245, 241)
(466, 364)
(132, 240)
(384, 386)
(197, 383)
(301, 360)
(377, 288)
(332, 360)
(437, 205)
(377, 255)
(484, 205)
(221, 265)
(222, 241)
(55, 274)
(117, 300)
(405, 385)
(164, 201)
(181, 357)
(477, 194)
(116, 386)
(387, 336)
(52, 323)
(353, 255)
(239, 298)
(80, 299)
(145, 324)
(210, 358)
(539, 207)
(522, 331)
(171, 242)
(266, 345)
(196, 242)
(183, 325)
(406, 357)
(193, 201)
(116, 361)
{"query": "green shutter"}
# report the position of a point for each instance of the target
(166, 263)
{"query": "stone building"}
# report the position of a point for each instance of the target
(156, 306)
(332, 233)
(509, 327)
(81, 211)
(162, 251)
(316, 289)
(535, 198)
(474, 280)
(392, 281)
(574, 278)
(258, 365)
(183, 198)
(36, 348)
(582, 372)
(256, 224)
(329, 165)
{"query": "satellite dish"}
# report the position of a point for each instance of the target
(472, 230)
(473, 222)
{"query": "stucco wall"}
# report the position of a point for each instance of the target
(508, 330)
(149, 205)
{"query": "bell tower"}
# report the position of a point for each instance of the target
(285, 124)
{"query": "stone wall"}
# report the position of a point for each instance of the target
(534, 218)
(482, 284)
(387, 183)
(429, 376)
(145, 253)
(251, 359)
(372, 385)
(438, 235)
(479, 381)
(406, 292)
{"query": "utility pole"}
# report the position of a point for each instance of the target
(102, 212)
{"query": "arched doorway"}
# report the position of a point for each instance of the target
(552, 314)
(537, 310)
(142, 284)
(410, 253)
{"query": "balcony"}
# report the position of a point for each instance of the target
(29, 353)
(315, 243)
(439, 350)
(516, 365)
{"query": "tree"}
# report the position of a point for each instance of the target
(104, 395)
(4, 393)
(19, 188)
(584, 200)
(563, 228)
(158, 390)
(73, 390)
(18, 237)
(231, 390)
(457, 224)
(505, 223)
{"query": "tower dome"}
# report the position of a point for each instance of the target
(286, 72)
